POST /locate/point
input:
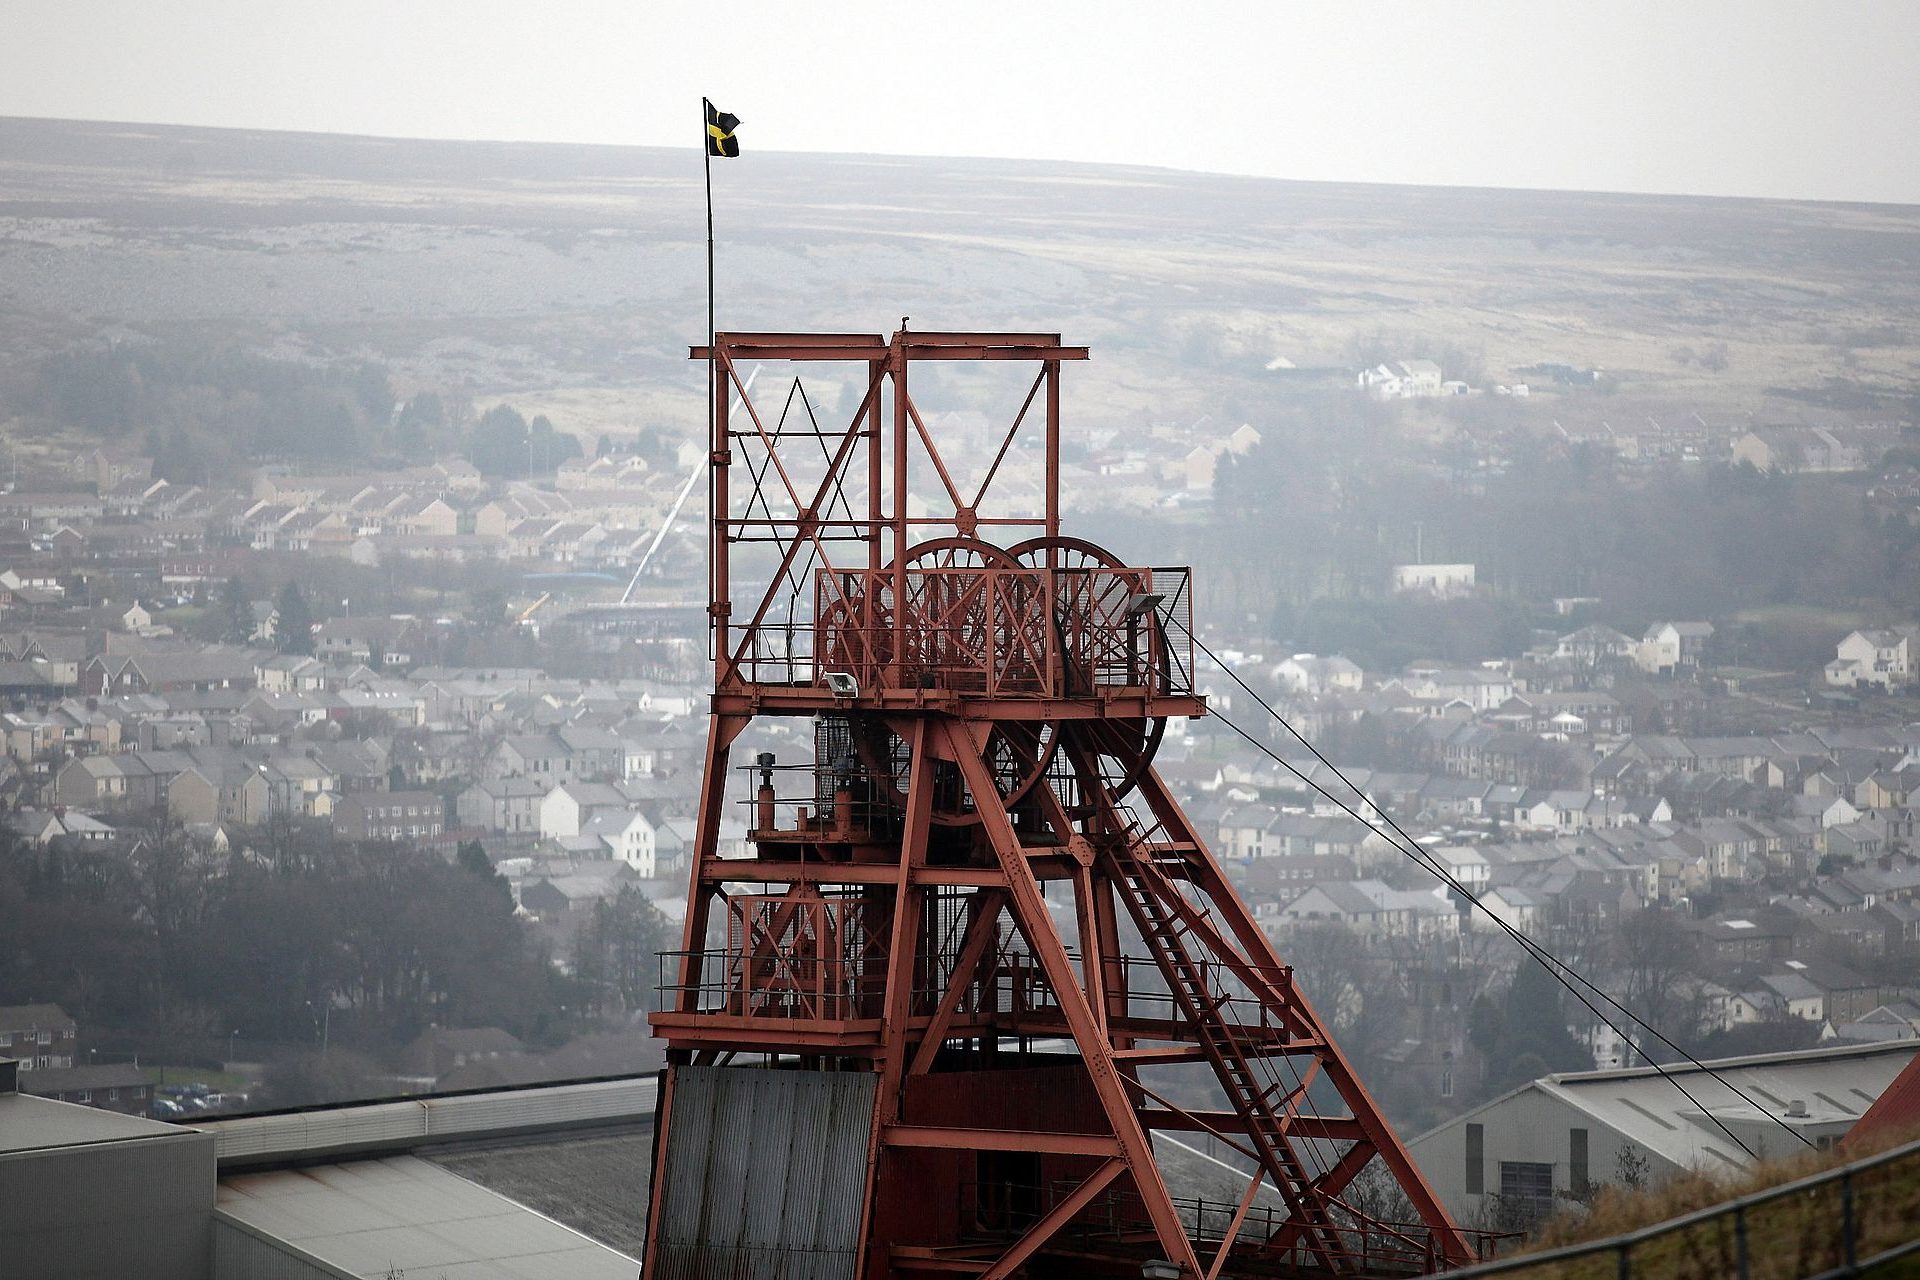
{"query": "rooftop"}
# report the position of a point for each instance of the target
(28, 1123)
(403, 1214)
(1835, 1086)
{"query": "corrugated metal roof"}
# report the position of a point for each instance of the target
(372, 1218)
(1836, 1086)
(397, 1124)
(28, 1123)
(765, 1174)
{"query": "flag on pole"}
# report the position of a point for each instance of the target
(720, 127)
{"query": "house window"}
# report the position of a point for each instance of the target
(1577, 1161)
(1476, 1159)
(1528, 1186)
(45, 1037)
(113, 1095)
(84, 1095)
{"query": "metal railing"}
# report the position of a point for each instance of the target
(1005, 632)
(1857, 1220)
(1119, 1216)
(764, 983)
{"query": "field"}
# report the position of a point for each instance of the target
(571, 278)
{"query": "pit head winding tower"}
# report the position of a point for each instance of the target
(973, 956)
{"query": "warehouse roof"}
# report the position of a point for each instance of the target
(375, 1218)
(28, 1123)
(1819, 1093)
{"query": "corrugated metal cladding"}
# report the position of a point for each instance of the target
(398, 1124)
(765, 1174)
(1896, 1112)
(241, 1255)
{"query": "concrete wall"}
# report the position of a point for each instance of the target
(242, 1254)
(141, 1207)
(1531, 1126)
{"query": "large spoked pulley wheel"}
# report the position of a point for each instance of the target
(1092, 590)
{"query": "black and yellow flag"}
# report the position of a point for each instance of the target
(720, 127)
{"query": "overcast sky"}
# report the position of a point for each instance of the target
(1752, 97)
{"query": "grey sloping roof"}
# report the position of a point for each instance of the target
(48, 1081)
(595, 1184)
(1791, 986)
(28, 1123)
(373, 1218)
(34, 1017)
(1836, 1084)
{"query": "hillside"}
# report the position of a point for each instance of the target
(576, 271)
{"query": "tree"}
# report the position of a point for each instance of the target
(1368, 1013)
(294, 628)
(419, 423)
(1533, 1039)
(471, 856)
(1653, 957)
(487, 608)
(614, 953)
(235, 616)
(498, 446)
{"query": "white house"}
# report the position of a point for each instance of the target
(1593, 645)
(1467, 865)
(1882, 657)
(1670, 645)
(568, 806)
(1515, 907)
(1305, 673)
(1402, 380)
(629, 836)
(1480, 688)
(1562, 811)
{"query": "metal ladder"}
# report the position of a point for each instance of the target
(1142, 867)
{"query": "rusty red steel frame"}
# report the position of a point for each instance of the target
(986, 696)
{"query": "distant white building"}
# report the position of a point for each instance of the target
(1883, 657)
(1310, 674)
(1432, 579)
(1402, 380)
(1671, 645)
(1198, 463)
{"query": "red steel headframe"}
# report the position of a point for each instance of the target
(987, 695)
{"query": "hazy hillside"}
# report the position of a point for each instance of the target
(577, 272)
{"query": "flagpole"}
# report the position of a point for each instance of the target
(717, 634)
(706, 154)
(707, 158)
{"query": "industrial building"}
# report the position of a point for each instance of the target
(1511, 1159)
(357, 1192)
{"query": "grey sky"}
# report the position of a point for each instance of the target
(1758, 97)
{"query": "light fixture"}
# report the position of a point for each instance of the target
(843, 684)
(1161, 1269)
(1143, 602)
